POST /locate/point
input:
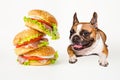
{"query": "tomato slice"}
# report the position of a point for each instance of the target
(31, 41)
(33, 58)
(42, 21)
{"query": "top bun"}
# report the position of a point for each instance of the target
(26, 34)
(42, 51)
(44, 15)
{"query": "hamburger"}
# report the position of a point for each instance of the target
(38, 57)
(42, 21)
(28, 40)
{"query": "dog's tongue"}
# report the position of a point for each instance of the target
(77, 46)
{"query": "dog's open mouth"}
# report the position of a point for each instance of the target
(82, 45)
(77, 46)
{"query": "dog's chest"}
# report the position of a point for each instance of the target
(95, 48)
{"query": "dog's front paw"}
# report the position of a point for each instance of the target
(73, 59)
(103, 63)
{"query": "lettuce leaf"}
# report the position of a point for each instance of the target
(54, 33)
(27, 63)
(55, 58)
(28, 38)
(56, 55)
(43, 43)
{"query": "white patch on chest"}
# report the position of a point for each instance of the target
(95, 48)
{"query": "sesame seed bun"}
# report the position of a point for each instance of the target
(44, 15)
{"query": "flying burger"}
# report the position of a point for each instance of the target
(42, 21)
(28, 40)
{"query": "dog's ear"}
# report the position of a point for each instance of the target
(94, 20)
(75, 19)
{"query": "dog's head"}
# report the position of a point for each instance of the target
(83, 34)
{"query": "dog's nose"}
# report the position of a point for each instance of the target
(76, 39)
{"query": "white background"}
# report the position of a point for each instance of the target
(87, 68)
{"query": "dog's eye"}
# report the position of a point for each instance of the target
(84, 33)
(72, 31)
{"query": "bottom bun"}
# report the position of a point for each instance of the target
(40, 63)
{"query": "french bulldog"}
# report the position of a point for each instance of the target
(87, 39)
